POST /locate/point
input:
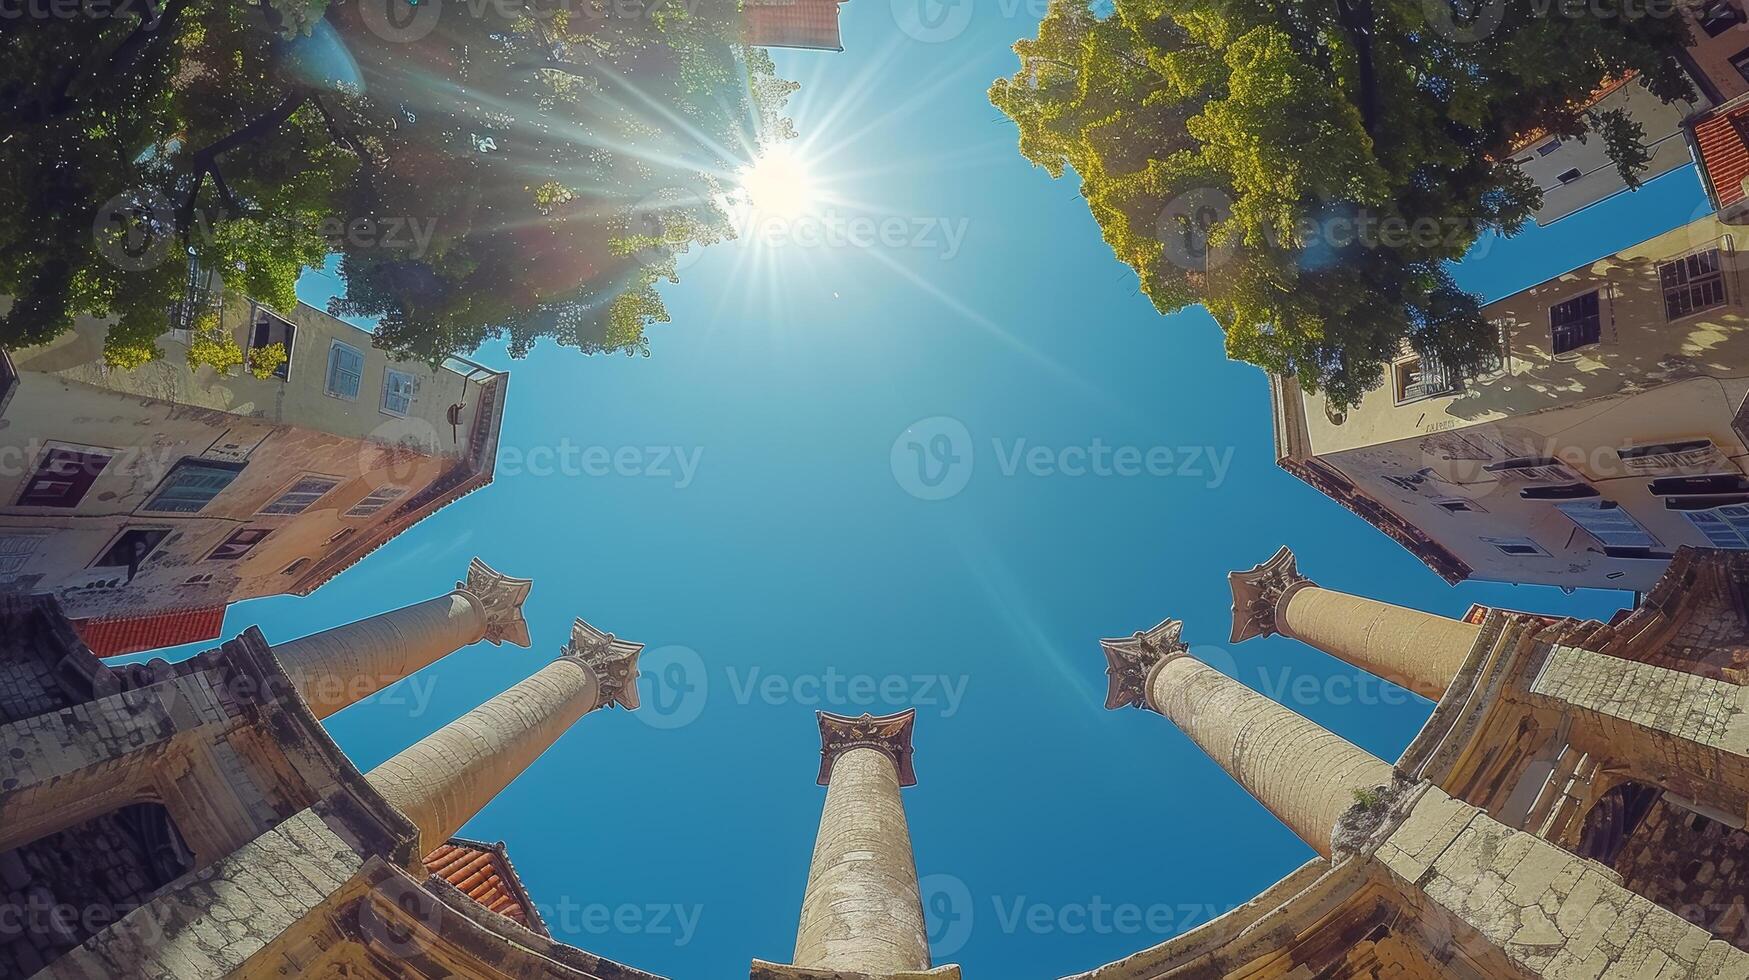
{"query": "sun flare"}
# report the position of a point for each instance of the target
(777, 183)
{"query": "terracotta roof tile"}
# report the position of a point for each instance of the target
(116, 635)
(792, 24)
(1722, 137)
(483, 872)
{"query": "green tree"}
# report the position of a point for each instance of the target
(478, 174)
(1308, 170)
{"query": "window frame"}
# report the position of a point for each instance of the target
(389, 374)
(261, 534)
(34, 536)
(151, 506)
(1706, 23)
(40, 473)
(267, 509)
(289, 329)
(387, 499)
(1687, 286)
(1555, 347)
(1602, 505)
(1501, 544)
(335, 347)
(1400, 386)
(163, 533)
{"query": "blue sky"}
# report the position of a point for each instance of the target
(796, 570)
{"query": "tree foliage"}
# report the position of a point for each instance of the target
(478, 167)
(1308, 170)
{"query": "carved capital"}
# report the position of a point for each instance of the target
(614, 661)
(891, 734)
(1131, 660)
(501, 597)
(1257, 594)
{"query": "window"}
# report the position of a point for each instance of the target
(378, 499)
(1740, 61)
(1689, 455)
(131, 549)
(204, 578)
(1517, 547)
(269, 330)
(1724, 527)
(341, 535)
(1691, 284)
(1548, 148)
(1719, 16)
(345, 370)
(1576, 323)
(1608, 523)
(1459, 505)
(64, 476)
(16, 549)
(1568, 176)
(295, 567)
(301, 495)
(1532, 469)
(239, 544)
(397, 392)
(191, 485)
(1417, 378)
(1711, 485)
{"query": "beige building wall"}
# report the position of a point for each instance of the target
(1574, 174)
(1710, 55)
(1444, 464)
(385, 466)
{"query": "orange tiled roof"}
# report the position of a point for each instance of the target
(114, 636)
(483, 873)
(792, 24)
(1722, 137)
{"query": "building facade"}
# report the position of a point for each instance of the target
(147, 500)
(1574, 806)
(1574, 173)
(811, 24)
(1610, 433)
(202, 824)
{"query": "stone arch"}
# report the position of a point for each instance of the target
(1612, 820)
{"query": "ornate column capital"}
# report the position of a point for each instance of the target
(890, 734)
(501, 598)
(1258, 593)
(1131, 660)
(613, 660)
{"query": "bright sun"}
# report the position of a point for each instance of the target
(777, 183)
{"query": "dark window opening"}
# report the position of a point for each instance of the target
(1613, 820)
(104, 868)
(131, 550)
(1568, 176)
(1740, 61)
(1719, 16)
(239, 544)
(1692, 284)
(63, 477)
(1566, 491)
(1700, 486)
(270, 329)
(1576, 323)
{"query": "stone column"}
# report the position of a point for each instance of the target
(337, 667)
(1418, 651)
(862, 913)
(1306, 776)
(441, 781)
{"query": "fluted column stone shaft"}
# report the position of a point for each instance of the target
(442, 780)
(344, 665)
(1418, 651)
(1303, 773)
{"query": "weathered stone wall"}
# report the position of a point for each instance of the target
(1692, 865)
(58, 891)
